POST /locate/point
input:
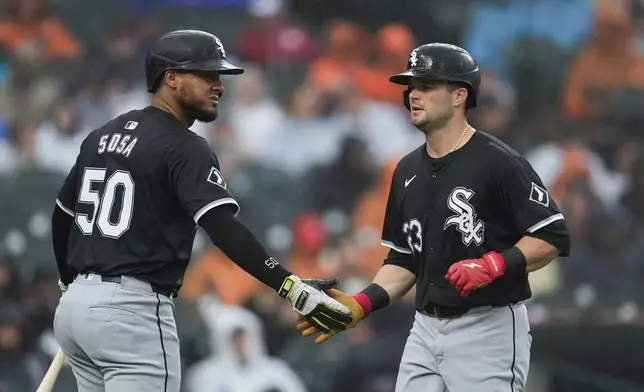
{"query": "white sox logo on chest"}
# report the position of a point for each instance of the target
(465, 220)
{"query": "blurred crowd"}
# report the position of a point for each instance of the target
(308, 138)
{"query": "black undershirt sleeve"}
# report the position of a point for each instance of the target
(61, 224)
(241, 246)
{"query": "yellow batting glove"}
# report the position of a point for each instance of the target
(357, 314)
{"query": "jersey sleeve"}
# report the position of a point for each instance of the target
(393, 238)
(392, 235)
(197, 180)
(66, 199)
(532, 209)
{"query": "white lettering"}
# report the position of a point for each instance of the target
(117, 143)
(114, 142)
(129, 148)
(124, 141)
(102, 143)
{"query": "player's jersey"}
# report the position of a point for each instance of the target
(139, 185)
(482, 197)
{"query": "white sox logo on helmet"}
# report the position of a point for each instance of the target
(413, 59)
(465, 220)
(220, 47)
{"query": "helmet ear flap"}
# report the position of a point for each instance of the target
(406, 98)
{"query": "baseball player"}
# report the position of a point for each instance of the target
(467, 220)
(125, 220)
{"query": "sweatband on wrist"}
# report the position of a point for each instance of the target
(515, 262)
(372, 298)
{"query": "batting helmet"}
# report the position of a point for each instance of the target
(186, 50)
(442, 62)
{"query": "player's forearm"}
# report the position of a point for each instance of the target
(538, 253)
(390, 283)
(61, 224)
(396, 281)
(242, 247)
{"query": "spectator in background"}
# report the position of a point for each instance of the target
(212, 272)
(8, 282)
(391, 48)
(239, 362)
(17, 151)
(495, 25)
(606, 67)
(601, 241)
(306, 138)
(352, 173)
(28, 25)
(495, 110)
(255, 117)
(579, 207)
(38, 305)
(278, 44)
(347, 50)
(40, 51)
(384, 127)
(633, 198)
(57, 142)
(14, 375)
(92, 101)
(9, 154)
(309, 240)
(636, 11)
(368, 218)
(634, 239)
(274, 40)
(122, 49)
(120, 53)
(276, 318)
(27, 93)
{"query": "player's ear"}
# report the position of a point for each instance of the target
(459, 96)
(172, 79)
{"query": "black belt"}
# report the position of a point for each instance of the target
(443, 312)
(117, 279)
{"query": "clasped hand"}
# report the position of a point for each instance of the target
(309, 300)
(308, 326)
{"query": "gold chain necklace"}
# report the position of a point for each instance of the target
(461, 138)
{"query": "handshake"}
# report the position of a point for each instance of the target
(321, 307)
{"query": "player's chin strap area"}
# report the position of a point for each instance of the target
(307, 297)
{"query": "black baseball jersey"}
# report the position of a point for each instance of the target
(140, 184)
(482, 197)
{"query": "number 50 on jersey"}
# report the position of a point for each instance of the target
(103, 205)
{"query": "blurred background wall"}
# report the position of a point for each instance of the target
(308, 138)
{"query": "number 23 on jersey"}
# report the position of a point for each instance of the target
(413, 230)
(103, 205)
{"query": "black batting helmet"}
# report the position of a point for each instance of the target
(442, 62)
(186, 50)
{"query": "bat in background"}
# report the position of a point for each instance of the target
(47, 383)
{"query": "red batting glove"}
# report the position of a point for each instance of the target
(467, 275)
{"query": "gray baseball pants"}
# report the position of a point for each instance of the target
(486, 349)
(118, 337)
